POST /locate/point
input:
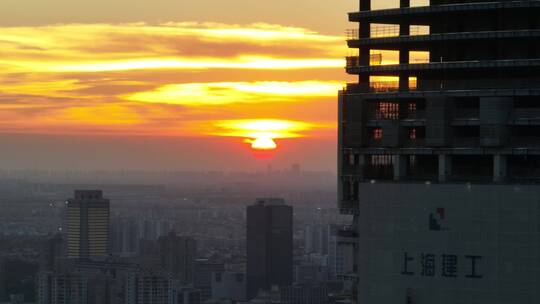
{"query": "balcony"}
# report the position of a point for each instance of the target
(352, 61)
(398, 13)
(448, 65)
(417, 36)
(352, 34)
(384, 30)
(391, 86)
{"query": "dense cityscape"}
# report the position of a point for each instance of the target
(163, 243)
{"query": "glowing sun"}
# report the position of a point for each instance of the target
(263, 143)
(262, 133)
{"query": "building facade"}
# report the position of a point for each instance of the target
(177, 256)
(53, 250)
(55, 288)
(148, 287)
(316, 238)
(439, 154)
(304, 294)
(229, 286)
(88, 225)
(269, 245)
(204, 269)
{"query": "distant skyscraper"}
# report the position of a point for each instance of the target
(53, 249)
(124, 236)
(203, 276)
(177, 255)
(316, 239)
(269, 245)
(341, 253)
(88, 225)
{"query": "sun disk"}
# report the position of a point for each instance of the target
(263, 143)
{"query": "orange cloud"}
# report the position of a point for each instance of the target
(165, 79)
(262, 128)
(219, 93)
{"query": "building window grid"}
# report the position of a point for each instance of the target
(387, 111)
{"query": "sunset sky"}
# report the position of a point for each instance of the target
(170, 84)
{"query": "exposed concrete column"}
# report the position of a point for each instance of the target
(400, 167)
(404, 30)
(364, 32)
(445, 167)
(364, 29)
(365, 5)
(364, 58)
(404, 75)
(499, 168)
(403, 81)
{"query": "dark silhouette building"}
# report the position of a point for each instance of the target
(88, 225)
(439, 152)
(269, 245)
(177, 256)
(54, 248)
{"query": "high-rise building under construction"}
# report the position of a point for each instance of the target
(439, 152)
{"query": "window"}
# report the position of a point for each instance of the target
(383, 83)
(412, 106)
(379, 167)
(412, 134)
(418, 57)
(415, 3)
(388, 110)
(416, 30)
(378, 5)
(383, 57)
(352, 160)
(377, 134)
